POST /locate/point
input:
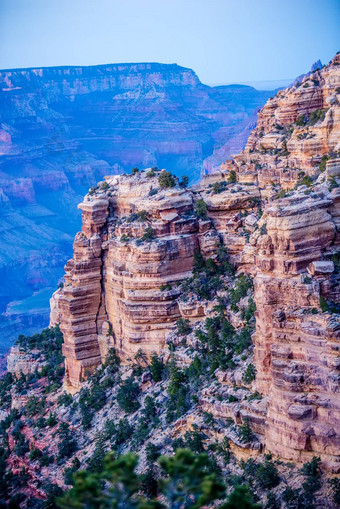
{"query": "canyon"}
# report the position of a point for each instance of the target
(275, 208)
(205, 317)
(63, 128)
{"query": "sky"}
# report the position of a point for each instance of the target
(223, 41)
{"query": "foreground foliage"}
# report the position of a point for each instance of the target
(186, 482)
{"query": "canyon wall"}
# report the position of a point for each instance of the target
(63, 128)
(276, 208)
(121, 286)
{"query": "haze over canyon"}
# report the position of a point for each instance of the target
(63, 128)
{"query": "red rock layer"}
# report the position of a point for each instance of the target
(279, 148)
(296, 346)
(113, 293)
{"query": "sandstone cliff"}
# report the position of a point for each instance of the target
(137, 244)
(63, 128)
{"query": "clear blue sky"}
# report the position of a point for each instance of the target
(222, 40)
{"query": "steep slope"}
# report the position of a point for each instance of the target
(63, 128)
(206, 317)
(290, 245)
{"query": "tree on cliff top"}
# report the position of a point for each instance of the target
(166, 180)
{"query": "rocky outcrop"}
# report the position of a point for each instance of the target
(121, 286)
(296, 345)
(20, 361)
(295, 145)
(295, 130)
(63, 128)
(276, 209)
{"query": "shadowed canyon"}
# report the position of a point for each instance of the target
(63, 128)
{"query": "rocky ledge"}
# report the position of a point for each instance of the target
(275, 208)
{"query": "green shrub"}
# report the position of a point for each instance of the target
(183, 327)
(301, 120)
(240, 290)
(151, 173)
(195, 369)
(232, 177)
(69, 471)
(134, 170)
(223, 260)
(179, 397)
(232, 398)
(105, 186)
(249, 374)
(306, 181)
(335, 482)
(219, 187)
(35, 454)
(267, 475)
(249, 312)
(312, 468)
(127, 396)
(152, 452)
(22, 445)
(124, 238)
(245, 432)
(188, 481)
(35, 405)
(96, 462)
(201, 209)
(292, 498)
(68, 444)
(312, 471)
(138, 216)
(166, 180)
(65, 399)
(284, 150)
(254, 395)
(51, 420)
(149, 234)
(322, 165)
(156, 368)
(316, 116)
(124, 432)
(281, 194)
(323, 304)
(332, 184)
(167, 287)
(184, 182)
(194, 440)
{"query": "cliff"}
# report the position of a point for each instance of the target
(275, 208)
(132, 243)
(203, 317)
(63, 128)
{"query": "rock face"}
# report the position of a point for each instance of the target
(121, 285)
(276, 209)
(295, 130)
(296, 346)
(63, 128)
(297, 343)
(20, 361)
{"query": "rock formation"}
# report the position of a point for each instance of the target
(121, 286)
(63, 128)
(276, 209)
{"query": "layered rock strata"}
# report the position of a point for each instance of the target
(138, 242)
(295, 145)
(121, 286)
(296, 345)
(295, 130)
